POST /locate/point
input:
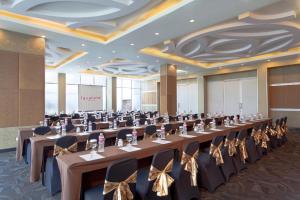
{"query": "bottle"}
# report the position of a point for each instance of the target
(162, 132)
(45, 122)
(101, 143)
(115, 124)
(202, 126)
(63, 129)
(66, 121)
(90, 126)
(134, 137)
(184, 129)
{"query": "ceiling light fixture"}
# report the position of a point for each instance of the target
(83, 45)
(43, 36)
(191, 20)
(113, 51)
(131, 44)
(269, 60)
(99, 57)
(156, 33)
(138, 56)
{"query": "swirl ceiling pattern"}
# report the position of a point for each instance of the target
(251, 35)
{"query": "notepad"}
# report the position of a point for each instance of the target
(91, 156)
(130, 148)
(161, 141)
(203, 132)
(215, 129)
(187, 136)
(53, 137)
(83, 133)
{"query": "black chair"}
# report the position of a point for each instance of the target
(52, 175)
(142, 121)
(210, 174)
(63, 115)
(185, 184)
(285, 127)
(159, 120)
(252, 141)
(150, 131)
(122, 134)
(94, 136)
(273, 135)
(70, 128)
(116, 174)
(228, 152)
(162, 162)
(239, 159)
(129, 122)
(41, 130)
(168, 129)
(75, 116)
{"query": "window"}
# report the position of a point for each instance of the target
(51, 92)
(71, 98)
(128, 94)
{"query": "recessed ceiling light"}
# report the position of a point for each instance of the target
(131, 44)
(269, 60)
(113, 51)
(156, 33)
(138, 56)
(82, 45)
(43, 36)
(99, 57)
(192, 20)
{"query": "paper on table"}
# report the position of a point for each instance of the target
(83, 133)
(216, 129)
(161, 141)
(54, 137)
(187, 136)
(90, 156)
(203, 132)
(130, 148)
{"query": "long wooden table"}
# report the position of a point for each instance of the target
(72, 167)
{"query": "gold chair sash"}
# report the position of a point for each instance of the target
(272, 131)
(191, 165)
(62, 151)
(231, 146)
(256, 134)
(284, 128)
(121, 189)
(215, 151)
(162, 179)
(265, 138)
(279, 131)
(242, 147)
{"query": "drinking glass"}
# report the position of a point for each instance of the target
(129, 139)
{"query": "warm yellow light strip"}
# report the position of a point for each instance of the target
(158, 10)
(157, 53)
(168, 56)
(67, 60)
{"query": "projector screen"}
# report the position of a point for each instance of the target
(90, 98)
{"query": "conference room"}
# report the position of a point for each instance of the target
(149, 99)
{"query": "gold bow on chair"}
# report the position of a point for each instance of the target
(231, 146)
(284, 128)
(215, 151)
(242, 147)
(256, 136)
(162, 179)
(191, 165)
(61, 151)
(272, 131)
(121, 189)
(279, 131)
(265, 138)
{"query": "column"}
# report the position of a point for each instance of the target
(168, 89)
(262, 89)
(201, 93)
(114, 94)
(62, 92)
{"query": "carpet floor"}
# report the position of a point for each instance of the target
(276, 176)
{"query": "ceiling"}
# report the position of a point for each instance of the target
(135, 37)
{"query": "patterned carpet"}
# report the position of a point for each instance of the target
(275, 176)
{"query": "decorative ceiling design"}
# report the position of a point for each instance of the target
(99, 15)
(250, 36)
(57, 56)
(126, 67)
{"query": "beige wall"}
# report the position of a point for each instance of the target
(22, 79)
(149, 95)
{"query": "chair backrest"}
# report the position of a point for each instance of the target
(63, 115)
(94, 126)
(162, 158)
(207, 121)
(202, 115)
(75, 116)
(142, 121)
(129, 122)
(168, 128)
(285, 119)
(94, 136)
(159, 120)
(277, 122)
(42, 130)
(195, 116)
(91, 119)
(70, 127)
(66, 141)
(231, 135)
(217, 140)
(116, 173)
(242, 134)
(150, 130)
(123, 132)
(191, 148)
